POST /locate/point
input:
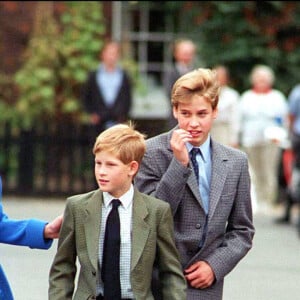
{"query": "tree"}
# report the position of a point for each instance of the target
(241, 34)
(57, 60)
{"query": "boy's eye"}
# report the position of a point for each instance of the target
(184, 113)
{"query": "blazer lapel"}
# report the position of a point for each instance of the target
(92, 226)
(140, 229)
(192, 183)
(219, 173)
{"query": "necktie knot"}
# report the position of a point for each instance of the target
(194, 152)
(115, 203)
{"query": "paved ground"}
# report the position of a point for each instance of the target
(271, 270)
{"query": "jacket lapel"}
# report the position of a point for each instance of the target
(219, 173)
(140, 229)
(92, 226)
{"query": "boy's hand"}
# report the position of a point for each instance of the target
(200, 275)
(178, 140)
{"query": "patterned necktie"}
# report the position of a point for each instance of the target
(110, 270)
(194, 152)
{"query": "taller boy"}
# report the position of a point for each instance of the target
(212, 216)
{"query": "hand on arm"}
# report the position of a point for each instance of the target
(200, 275)
(52, 229)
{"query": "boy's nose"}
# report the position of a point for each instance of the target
(194, 121)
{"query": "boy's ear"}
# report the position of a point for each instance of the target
(215, 113)
(134, 166)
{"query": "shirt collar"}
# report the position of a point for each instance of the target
(102, 69)
(126, 199)
(205, 149)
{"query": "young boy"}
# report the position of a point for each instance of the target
(209, 194)
(146, 226)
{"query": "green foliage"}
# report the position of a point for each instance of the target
(80, 46)
(36, 80)
(6, 92)
(56, 63)
(241, 34)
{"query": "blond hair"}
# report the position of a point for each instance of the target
(123, 141)
(200, 82)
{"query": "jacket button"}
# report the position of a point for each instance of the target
(198, 226)
(94, 274)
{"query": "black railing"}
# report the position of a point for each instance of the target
(53, 159)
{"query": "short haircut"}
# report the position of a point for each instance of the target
(262, 69)
(123, 141)
(199, 82)
(183, 41)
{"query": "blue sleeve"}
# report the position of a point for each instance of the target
(294, 100)
(5, 291)
(28, 232)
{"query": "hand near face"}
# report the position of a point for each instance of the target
(178, 140)
(52, 229)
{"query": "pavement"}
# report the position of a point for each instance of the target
(270, 271)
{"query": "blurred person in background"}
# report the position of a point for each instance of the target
(293, 196)
(33, 233)
(184, 54)
(225, 128)
(263, 115)
(107, 93)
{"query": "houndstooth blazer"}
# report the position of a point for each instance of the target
(230, 227)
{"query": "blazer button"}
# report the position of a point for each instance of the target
(94, 274)
(198, 226)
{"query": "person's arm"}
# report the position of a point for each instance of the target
(173, 284)
(240, 230)
(127, 94)
(293, 107)
(34, 233)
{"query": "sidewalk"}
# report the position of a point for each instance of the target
(271, 270)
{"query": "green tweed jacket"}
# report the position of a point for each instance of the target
(78, 246)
